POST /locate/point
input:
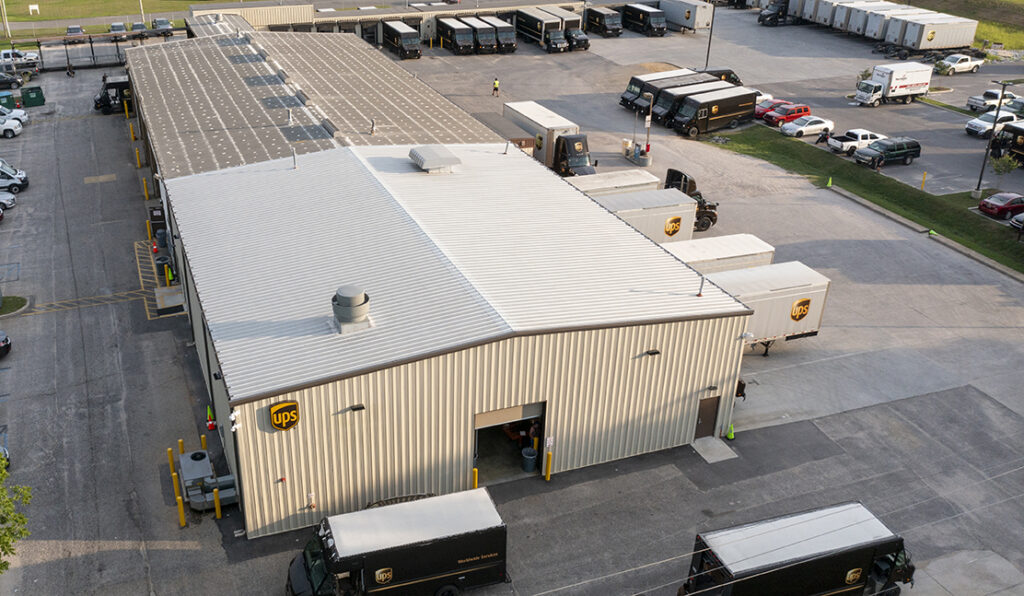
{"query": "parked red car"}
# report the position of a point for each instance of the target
(1003, 205)
(786, 113)
(768, 105)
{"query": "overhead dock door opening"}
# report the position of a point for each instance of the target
(501, 436)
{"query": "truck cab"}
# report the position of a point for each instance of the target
(577, 39)
(707, 212)
(115, 92)
(774, 14)
(572, 156)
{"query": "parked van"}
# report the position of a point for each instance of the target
(402, 39)
(605, 21)
(715, 110)
(456, 36)
(505, 33)
(644, 19)
(483, 35)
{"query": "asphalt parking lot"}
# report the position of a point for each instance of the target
(908, 399)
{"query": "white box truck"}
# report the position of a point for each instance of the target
(557, 141)
(939, 34)
(898, 81)
(723, 253)
(878, 21)
(608, 183)
(687, 14)
(858, 14)
(788, 300)
(665, 215)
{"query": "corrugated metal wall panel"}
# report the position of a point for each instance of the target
(605, 400)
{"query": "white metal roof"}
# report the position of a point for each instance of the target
(717, 247)
(217, 24)
(372, 530)
(537, 113)
(767, 278)
(774, 541)
(643, 199)
(598, 183)
(498, 247)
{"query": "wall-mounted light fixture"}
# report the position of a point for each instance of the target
(352, 408)
(652, 352)
(747, 335)
(217, 376)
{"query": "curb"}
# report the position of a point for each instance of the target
(973, 255)
(26, 306)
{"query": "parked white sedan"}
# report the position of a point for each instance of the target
(10, 127)
(7, 200)
(807, 125)
(982, 125)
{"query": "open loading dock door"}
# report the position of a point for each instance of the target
(501, 436)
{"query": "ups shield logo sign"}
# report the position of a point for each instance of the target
(714, 109)
(800, 309)
(931, 35)
(853, 575)
(284, 415)
(673, 225)
(384, 575)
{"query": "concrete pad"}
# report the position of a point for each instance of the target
(713, 449)
(169, 300)
(974, 573)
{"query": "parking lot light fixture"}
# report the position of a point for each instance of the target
(647, 122)
(976, 193)
(711, 31)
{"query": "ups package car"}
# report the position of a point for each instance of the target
(402, 39)
(715, 110)
(644, 19)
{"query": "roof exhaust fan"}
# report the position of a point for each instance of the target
(351, 307)
(434, 159)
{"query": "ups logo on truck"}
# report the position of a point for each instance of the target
(673, 225)
(383, 575)
(284, 415)
(931, 35)
(853, 575)
(800, 309)
(714, 109)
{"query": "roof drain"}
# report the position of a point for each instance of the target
(351, 307)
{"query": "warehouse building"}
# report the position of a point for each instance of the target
(495, 293)
(487, 304)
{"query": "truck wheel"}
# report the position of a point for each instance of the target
(850, 151)
(8, 134)
(693, 132)
(907, 160)
(703, 224)
(448, 590)
(951, 72)
(875, 103)
(975, 69)
(14, 189)
(734, 124)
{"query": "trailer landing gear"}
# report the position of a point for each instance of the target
(767, 345)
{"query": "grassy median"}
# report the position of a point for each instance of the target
(946, 214)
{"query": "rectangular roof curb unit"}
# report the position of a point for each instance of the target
(788, 299)
(607, 183)
(747, 549)
(723, 253)
(664, 215)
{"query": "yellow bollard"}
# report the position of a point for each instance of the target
(125, 110)
(181, 443)
(547, 469)
(167, 274)
(216, 502)
(476, 478)
(170, 459)
(202, 441)
(923, 176)
(138, 160)
(181, 512)
(149, 230)
(177, 487)
(131, 130)
(536, 444)
(145, 188)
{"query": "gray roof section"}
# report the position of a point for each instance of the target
(491, 250)
(643, 199)
(354, 83)
(211, 103)
(217, 24)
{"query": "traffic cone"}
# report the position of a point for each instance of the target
(829, 183)
(155, 250)
(210, 424)
(730, 435)
(932, 233)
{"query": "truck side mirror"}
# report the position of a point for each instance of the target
(595, 163)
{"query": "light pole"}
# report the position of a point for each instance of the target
(976, 193)
(711, 32)
(647, 121)
(142, 12)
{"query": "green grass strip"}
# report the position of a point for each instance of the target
(946, 214)
(940, 104)
(11, 304)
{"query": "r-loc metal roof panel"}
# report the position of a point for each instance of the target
(794, 537)
(643, 199)
(381, 528)
(217, 24)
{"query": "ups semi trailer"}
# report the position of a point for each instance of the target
(644, 19)
(484, 36)
(687, 14)
(939, 34)
(605, 21)
(437, 545)
(857, 19)
(456, 36)
(843, 12)
(572, 27)
(636, 84)
(505, 33)
(878, 22)
(402, 39)
(609, 183)
(826, 11)
(842, 549)
(723, 253)
(670, 100)
(715, 110)
(663, 216)
(544, 28)
(788, 300)
(558, 142)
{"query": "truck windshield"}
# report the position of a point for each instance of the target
(613, 20)
(868, 87)
(466, 37)
(410, 39)
(506, 36)
(6, 169)
(658, 20)
(315, 564)
(485, 37)
(664, 101)
(687, 111)
(633, 87)
(556, 35)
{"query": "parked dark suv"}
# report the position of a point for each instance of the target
(896, 149)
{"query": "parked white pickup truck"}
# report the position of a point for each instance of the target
(955, 63)
(988, 100)
(854, 139)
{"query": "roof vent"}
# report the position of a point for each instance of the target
(351, 308)
(434, 159)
